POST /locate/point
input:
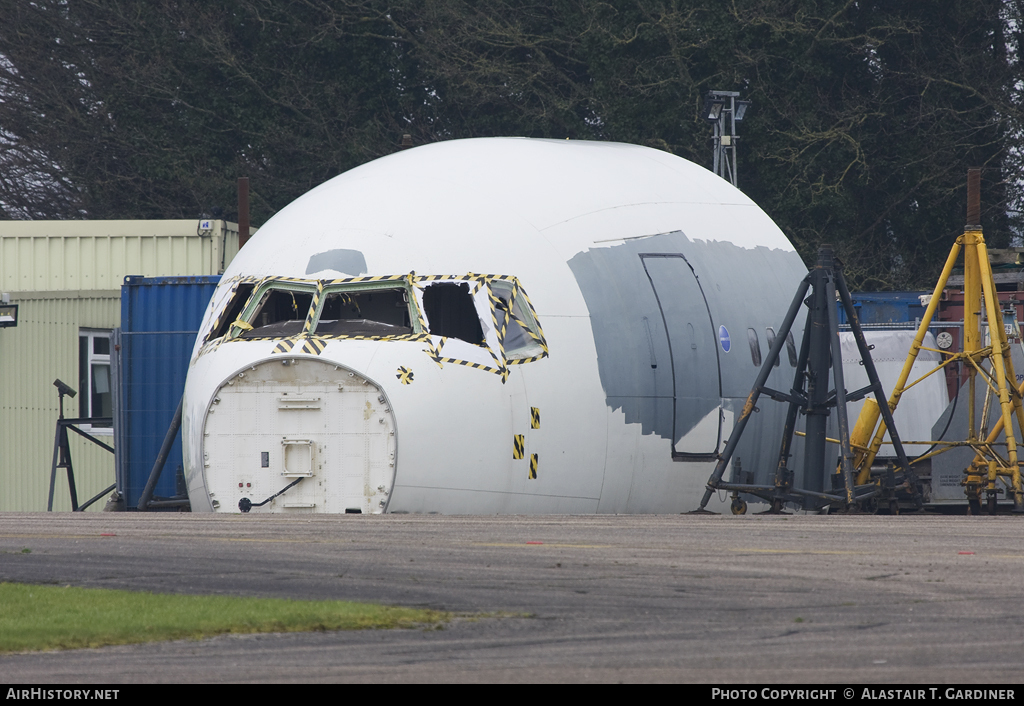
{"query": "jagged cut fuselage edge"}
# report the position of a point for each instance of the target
(648, 276)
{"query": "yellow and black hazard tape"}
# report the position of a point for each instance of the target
(314, 306)
(410, 337)
(223, 311)
(534, 418)
(310, 345)
(434, 350)
(534, 462)
(524, 361)
(537, 339)
(238, 281)
(500, 321)
(533, 313)
(419, 316)
(497, 361)
(404, 375)
(360, 280)
(470, 364)
(489, 278)
(316, 343)
(435, 278)
(518, 446)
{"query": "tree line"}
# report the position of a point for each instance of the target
(865, 117)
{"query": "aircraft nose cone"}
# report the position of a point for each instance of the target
(299, 435)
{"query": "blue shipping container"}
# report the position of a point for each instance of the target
(885, 307)
(160, 317)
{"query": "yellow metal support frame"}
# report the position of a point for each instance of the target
(988, 466)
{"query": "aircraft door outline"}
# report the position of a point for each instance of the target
(697, 395)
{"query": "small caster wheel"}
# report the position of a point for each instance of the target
(739, 506)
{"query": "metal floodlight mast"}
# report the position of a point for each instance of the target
(712, 109)
(723, 110)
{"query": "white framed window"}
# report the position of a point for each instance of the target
(94, 389)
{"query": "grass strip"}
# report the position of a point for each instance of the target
(36, 617)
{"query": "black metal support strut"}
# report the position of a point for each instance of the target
(820, 352)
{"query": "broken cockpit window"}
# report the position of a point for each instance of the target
(451, 312)
(280, 312)
(365, 312)
(239, 296)
(522, 333)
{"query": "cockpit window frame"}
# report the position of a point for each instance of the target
(521, 316)
(490, 355)
(234, 332)
(327, 288)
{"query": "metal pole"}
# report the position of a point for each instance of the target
(876, 384)
(53, 466)
(864, 461)
(243, 211)
(732, 141)
(762, 378)
(846, 460)
(717, 141)
(783, 479)
(161, 458)
(997, 336)
(817, 377)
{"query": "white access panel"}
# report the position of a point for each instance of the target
(291, 420)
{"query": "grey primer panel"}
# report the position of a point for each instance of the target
(691, 340)
(350, 262)
(744, 288)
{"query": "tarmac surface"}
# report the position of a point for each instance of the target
(720, 600)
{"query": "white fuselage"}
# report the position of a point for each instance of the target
(577, 336)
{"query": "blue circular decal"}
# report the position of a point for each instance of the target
(723, 338)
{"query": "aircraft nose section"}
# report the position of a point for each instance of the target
(299, 435)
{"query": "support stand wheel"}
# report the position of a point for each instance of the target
(992, 504)
(739, 506)
(973, 506)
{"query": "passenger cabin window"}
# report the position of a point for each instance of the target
(755, 347)
(770, 332)
(451, 312)
(522, 334)
(380, 312)
(791, 349)
(280, 312)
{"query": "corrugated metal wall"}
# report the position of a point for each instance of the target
(48, 256)
(66, 275)
(42, 347)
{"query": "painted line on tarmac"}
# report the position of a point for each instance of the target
(104, 535)
(161, 537)
(544, 544)
(794, 551)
